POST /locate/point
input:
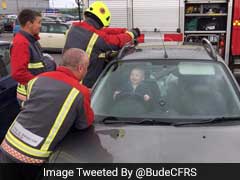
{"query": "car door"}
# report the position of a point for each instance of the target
(44, 36)
(8, 103)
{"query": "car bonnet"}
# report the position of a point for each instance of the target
(146, 144)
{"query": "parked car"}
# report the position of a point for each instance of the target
(1, 26)
(52, 36)
(16, 26)
(47, 19)
(68, 17)
(192, 115)
(8, 23)
(55, 18)
(12, 16)
(8, 103)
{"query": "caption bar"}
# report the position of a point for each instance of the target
(138, 173)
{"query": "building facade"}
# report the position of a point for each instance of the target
(15, 6)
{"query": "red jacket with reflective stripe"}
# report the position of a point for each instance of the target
(108, 39)
(112, 36)
(65, 75)
(56, 103)
(23, 51)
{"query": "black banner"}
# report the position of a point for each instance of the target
(119, 171)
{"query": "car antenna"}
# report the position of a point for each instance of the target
(165, 51)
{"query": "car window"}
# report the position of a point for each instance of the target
(57, 28)
(5, 20)
(44, 28)
(4, 61)
(175, 90)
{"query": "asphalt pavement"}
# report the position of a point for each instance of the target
(9, 36)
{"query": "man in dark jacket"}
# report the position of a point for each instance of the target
(94, 36)
(27, 60)
(56, 102)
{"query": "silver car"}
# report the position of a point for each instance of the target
(191, 113)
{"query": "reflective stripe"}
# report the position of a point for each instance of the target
(10, 150)
(35, 65)
(91, 44)
(102, 55)
(25, 148)
(21, 89)
(30, 84)
(60, 118)
(131, 34)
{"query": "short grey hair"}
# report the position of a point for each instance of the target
(73, 57)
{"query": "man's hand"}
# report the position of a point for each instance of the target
(110, 55)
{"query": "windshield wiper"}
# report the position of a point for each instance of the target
(209, 121)
(109, 118)
(115, 120)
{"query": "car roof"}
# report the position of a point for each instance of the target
(173, 52)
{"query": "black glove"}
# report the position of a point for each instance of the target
(136, 32)
(110, 55)
(49, 63)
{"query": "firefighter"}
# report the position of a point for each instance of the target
(27, 60)
(56, 102)
(97, 39)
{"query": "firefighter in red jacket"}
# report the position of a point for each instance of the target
(94, 36)
(27, 60)
(56, 102)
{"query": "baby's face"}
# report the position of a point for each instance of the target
(136, 76)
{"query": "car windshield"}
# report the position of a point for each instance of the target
(160, 89)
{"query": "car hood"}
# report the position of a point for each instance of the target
(143, 144)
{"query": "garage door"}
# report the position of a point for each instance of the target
(160, 14)
(118, 10)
